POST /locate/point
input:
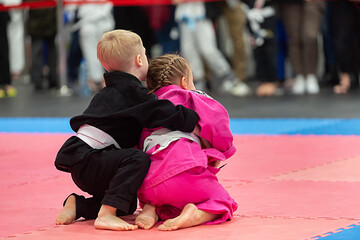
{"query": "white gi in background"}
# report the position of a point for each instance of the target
(16, 38)
(94, 20)
(198, 41)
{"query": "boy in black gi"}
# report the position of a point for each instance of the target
(101, 157)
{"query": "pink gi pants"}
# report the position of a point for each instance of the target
(199, 186)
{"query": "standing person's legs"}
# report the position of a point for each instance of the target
(74, 59)
(266, 60)
(89, 37)
(313, 15)
(330, 75)
(16, 43)
(341, 25)
(52, 61)
(215, 60)
(357, 41)
(236, 21)
(36, 62)
(291, 16)
(4, 53)
(190, 51)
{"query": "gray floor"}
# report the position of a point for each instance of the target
(325, 105)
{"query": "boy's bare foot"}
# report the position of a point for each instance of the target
(108, 220)
(189, 217)
(68, 214)
(148, 217)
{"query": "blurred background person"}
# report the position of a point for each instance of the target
(42, 28)
(262, 23)
(4, 54)
(16, 40)
(330, 76)
(6, 88)
(93, 20)
(236, 21)
(282, 55)
(77, 70)
(345, 30)
(302, 21)
(198, 44)
(164, 27)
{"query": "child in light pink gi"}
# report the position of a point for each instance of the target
(181, 187)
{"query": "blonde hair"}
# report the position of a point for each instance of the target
(116, 49)
(166, 70)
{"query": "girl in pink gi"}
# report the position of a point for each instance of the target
(181, 187)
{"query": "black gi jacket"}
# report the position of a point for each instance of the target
(122, 109)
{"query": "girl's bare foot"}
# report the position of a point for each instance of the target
(68, 214)
(108, 220)
(344, 85)
(189, 217)
(148, 217)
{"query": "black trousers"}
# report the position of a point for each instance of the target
(266, 55)
(112, 176)
(345, 30)
(37, 64)
(4, 50)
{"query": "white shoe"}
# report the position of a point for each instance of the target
(312, 86)
(227, 86)
(299, 85)
(241, 90)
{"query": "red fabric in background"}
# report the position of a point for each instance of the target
(52, 3)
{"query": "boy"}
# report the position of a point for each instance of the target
(101, 157)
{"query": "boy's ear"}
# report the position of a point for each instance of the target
(138, 61)
(183, 83)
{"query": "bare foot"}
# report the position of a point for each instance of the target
(68, 214)
(108, 220)
(266, 89)
(189, 217)
(148, 217)
(344, 85)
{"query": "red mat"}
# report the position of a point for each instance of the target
(287, 187)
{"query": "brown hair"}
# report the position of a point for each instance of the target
(166, 70)
(117, 48)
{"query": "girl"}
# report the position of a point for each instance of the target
(181, 187)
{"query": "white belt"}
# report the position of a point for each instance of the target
(95, 137)
(163, 137)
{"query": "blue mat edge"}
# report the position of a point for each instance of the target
(351, 232)
(242, 126)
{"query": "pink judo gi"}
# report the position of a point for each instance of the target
(180, 174)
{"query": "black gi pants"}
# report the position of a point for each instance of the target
(112, 176)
